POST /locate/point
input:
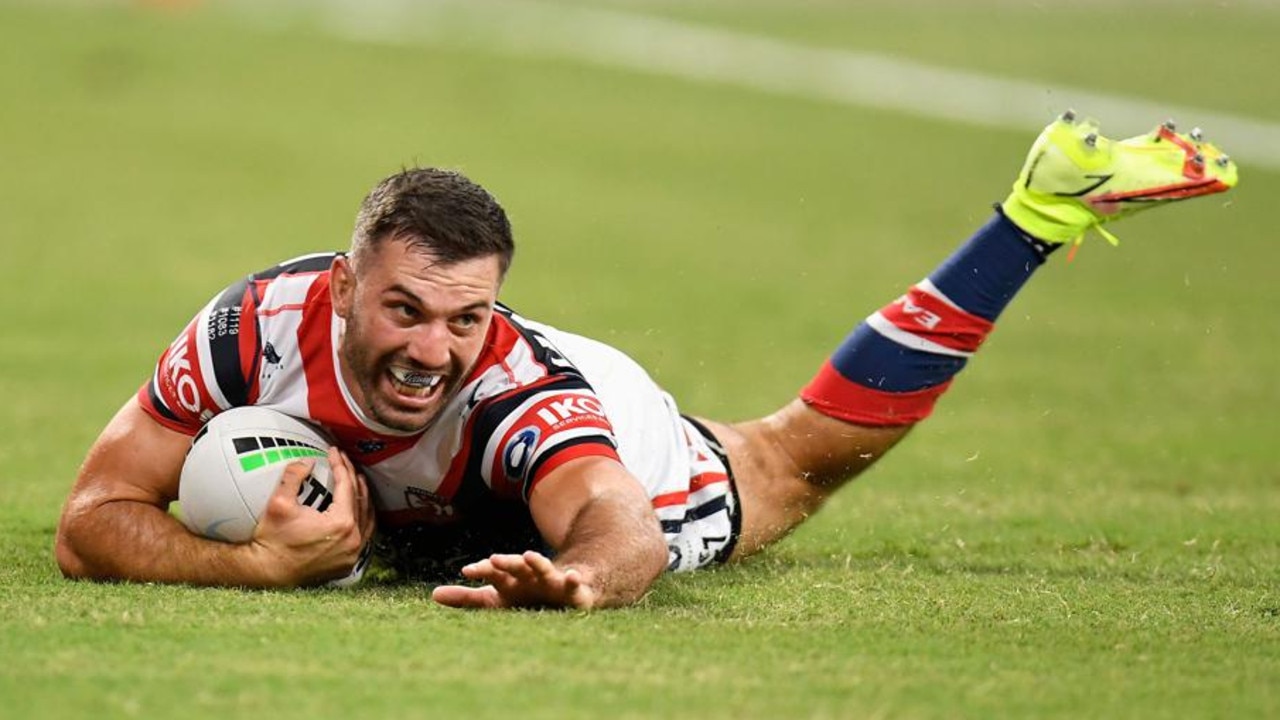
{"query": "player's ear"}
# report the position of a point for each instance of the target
(342, 286)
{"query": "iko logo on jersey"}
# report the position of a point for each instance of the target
(177, 370)
(569, 409)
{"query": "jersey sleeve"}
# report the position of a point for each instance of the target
(206, 369)
(525, 434)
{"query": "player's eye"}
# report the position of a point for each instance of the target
(404, 311)
(466, 322)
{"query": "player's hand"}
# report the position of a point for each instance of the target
(299, 546)
(527, 580)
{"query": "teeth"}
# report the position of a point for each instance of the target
(414, 379)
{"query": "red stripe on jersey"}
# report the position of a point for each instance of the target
(572, 452)
(498, 343)
(281, 308)
(931, 318)
(315, 344)
(679, 497)
(700, 481)
(834, 395)
(452, 479)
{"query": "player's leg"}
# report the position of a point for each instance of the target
(887, 375)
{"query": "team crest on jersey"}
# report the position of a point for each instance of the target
(420, 499)
(270, 355)
(519, 451)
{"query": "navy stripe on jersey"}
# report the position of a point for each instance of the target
(223, 331)
(543, 351)
(316, 262)
(158, 403)
(708, 508)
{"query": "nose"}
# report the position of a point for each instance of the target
(429, 345)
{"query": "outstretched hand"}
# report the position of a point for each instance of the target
(526, 580)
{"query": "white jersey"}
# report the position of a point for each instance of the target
(537, 398)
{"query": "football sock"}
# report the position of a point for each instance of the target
(894, 365)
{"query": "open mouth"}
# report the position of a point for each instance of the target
(414, 383)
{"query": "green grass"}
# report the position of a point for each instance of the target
(1087, 528)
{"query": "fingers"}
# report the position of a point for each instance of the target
(351, 490)
(344, 473)
(295, 473)
(457, 596)
(366, 515)
(539, 563)
(526, 580)
(364, 511)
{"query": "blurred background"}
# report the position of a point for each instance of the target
(720, 188)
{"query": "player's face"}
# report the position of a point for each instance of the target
(414, 329)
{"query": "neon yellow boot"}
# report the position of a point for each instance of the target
(1075, 179)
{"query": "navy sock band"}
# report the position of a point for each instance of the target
(988, 270)
(868, 358)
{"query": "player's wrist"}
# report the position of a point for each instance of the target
(260, 565)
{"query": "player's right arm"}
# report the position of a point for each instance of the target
(116, 525)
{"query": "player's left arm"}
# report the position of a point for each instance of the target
(609, 545)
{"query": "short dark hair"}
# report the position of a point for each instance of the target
(440, 211)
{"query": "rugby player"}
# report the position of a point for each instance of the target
(544, 467)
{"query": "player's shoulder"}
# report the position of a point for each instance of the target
(527, 347)
(522, 372)
(247, 292)
(310, 264)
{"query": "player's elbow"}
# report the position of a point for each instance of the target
(70, 562)
(75, 533)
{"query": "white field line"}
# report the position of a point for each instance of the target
(647, 44)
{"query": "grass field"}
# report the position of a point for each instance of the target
(1089, 527)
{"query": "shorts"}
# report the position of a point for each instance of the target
(680, 464)
(702, 524)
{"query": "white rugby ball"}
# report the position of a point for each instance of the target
(234, 465)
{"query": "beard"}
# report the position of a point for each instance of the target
(371, 372)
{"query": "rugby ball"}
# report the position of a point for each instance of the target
(234, 465)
